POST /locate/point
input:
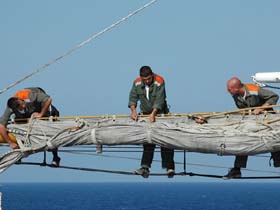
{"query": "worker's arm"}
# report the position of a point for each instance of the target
(133, 114)
(4, 134)
(260, 110)
(269, 97)
(3, 131)
(132, 104)
(153, 115)
(44, 109)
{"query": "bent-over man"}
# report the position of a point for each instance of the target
(24, 104)
(250, 95)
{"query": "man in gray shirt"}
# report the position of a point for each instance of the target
(24, 104)
(250, 95)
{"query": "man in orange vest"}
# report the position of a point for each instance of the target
(250, 95)
(27, 102)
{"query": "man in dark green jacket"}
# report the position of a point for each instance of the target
(149, 89)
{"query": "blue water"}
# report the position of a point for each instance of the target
(141, 196)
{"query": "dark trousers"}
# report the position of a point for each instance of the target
(167, 156)
(241, 161)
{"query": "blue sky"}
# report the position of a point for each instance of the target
(195, 45)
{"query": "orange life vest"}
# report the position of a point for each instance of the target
(23, 94)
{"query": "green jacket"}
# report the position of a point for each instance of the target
(255, 96)
(157, 96)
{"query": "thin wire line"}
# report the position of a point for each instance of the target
(179, 163)
(79, 45)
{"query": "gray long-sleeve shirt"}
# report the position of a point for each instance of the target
(34, 102)
(255, 96)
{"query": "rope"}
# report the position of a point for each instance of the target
(241, 111)
(41, 68)
(27, 142)
(269, 86)
(221, 177)
(151, 174)
(189, 115)
(90, 153)
(91, 169)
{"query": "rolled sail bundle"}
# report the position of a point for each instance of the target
(226, 135)
(222, 135)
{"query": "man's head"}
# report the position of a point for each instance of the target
(234, 86)
(16, 104)
(146, 75)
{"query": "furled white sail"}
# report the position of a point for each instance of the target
(222, 135)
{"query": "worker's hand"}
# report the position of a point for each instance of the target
(200, 120)
(37, 115)
(258, 111)
(152, 118)
(14, 145)
(134, 115)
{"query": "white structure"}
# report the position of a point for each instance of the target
(270, 77)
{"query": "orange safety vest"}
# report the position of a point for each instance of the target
(23, 94)
(252, 89)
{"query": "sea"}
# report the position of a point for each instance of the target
(141, 196)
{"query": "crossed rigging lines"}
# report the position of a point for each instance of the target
(70, 51)
(88, 150)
